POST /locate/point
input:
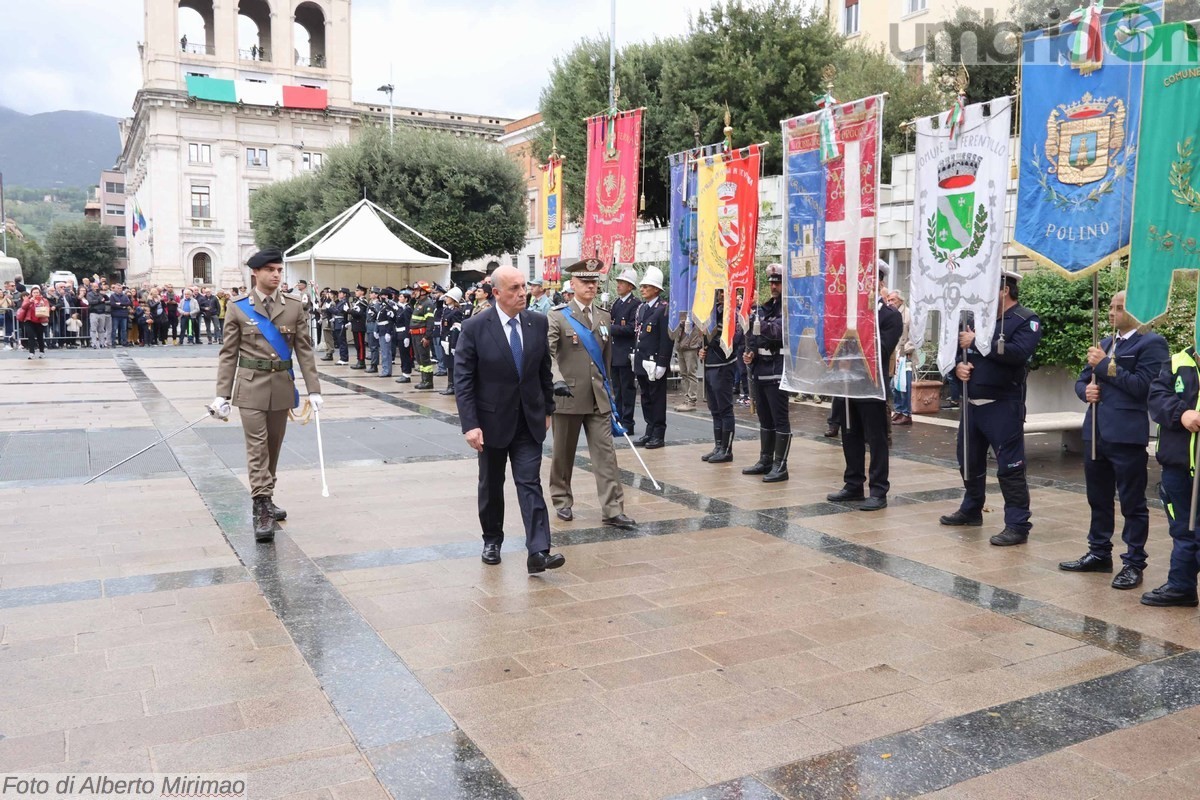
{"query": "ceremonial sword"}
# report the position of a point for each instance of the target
(207, 414)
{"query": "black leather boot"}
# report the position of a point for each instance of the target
(264, 522)
(726, 454)
(766, 451)
(426, 381)
(716, 443)
(359, 365)
(779, 472)
(277, 513)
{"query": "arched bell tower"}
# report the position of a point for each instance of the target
(289, 42)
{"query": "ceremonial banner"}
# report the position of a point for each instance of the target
(831, 271)
(1079, 143)
(610, 205)
(683, 261)
(958, 231)
(727, 237)
(551, 218)
(1166, 211)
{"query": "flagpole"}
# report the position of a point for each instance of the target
(612, 54)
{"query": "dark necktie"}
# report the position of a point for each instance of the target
(514, 341)
(267, 306)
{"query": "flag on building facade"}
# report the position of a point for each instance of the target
(254, 93)
(1165, 236)
(727, 236)
(610, 206)
(139, 221)
(552, 219)
(958, 236)
(831, 270)
(1079, 128)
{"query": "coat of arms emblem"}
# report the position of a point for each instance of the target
(727, 215)
(1084, 137)
(958, 226)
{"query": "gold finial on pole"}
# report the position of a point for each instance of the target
(827, 76)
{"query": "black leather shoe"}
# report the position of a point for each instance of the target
(641, 440)
(327, 357)
(448, 391)
(831, 432)
(1129, 577)
(404, 379)
(958, 518)
(874, 504)
(565, 514)
(1089, 563)
(372, 369)
(654, 444)
(277, 513)
(620, 521)
(491, 554)
(845, 495)
(1166, 596)
(264, 523)
(540, 562)
(358, 365)
(1008, 537)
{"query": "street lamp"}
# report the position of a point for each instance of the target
(389, 89)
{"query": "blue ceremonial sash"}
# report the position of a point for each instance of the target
(274, 338)
(593, 349)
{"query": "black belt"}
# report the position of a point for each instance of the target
(262, 365)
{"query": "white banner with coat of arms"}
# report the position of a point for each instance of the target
(958, 231)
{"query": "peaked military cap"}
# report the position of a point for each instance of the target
(586, 270)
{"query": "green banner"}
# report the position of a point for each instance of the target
(1166, 195)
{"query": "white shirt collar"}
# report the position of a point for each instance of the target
(504, 318)
(1128, 335)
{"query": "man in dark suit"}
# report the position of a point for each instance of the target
(624, 337)
(1116, 386)
(505, 395)
(866, 425)
(652, 358)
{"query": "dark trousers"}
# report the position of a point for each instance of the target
(405, 353)
(360, 345)
(526, 456)
(339, 341)
(209, 324)
(120, 330)
(837, 412)
(866, 428)
(718, 393)
(35, 337)
(173, 324)
(1001, 426)
(1176, 495)
(771, 403)
(624, 393)
(160, 331)
(654, 405)
(145, 333)
(1119, 469)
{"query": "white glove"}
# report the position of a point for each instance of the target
(406, 341)
(376, 335)
(651, 370)
(658, 373)
(316, 401)
(220, 408)
(387, 337)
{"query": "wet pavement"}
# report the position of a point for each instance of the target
(746, 641)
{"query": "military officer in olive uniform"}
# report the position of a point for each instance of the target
(258, 378)
(581, 398)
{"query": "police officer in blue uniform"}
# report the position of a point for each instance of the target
(340, 313)
(1175, 406)
(1123, 367)
(719, 369)
(652, 358)
(385, 330)
(995, 386)
(373, 304)
(764, 356)
(624, 336)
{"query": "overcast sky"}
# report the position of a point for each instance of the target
(479, 56)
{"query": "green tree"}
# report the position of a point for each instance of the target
(464, 194)
(1065, 309)
(84, 248)
(34, 266)
(863, 71)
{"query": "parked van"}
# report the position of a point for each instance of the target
(10, 268)
(62, 276)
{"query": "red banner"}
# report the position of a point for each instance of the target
(611, 201)
(737, 223)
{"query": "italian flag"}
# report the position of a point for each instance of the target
(219, 90)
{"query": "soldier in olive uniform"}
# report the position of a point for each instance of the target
(582, 397)
(258, 378)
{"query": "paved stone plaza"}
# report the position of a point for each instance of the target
(747, 641)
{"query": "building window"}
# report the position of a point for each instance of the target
(312, 161)
(850, 27)
(256, 157)
(201, 207)
(250, 202)
(122, 252)
(199, 153)
(114, 188)
(532, 266)
(202, 268)
(114, 210)
(533, 212)
(913, 6)
(118, 231)
(515, 262)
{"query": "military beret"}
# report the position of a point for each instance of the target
(271, 255)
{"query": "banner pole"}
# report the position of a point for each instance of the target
(612, 53)
(1096, 340)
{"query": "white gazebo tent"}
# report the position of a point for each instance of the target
(356, 247)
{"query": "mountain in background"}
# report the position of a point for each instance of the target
(56, 149)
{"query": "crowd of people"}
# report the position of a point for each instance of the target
(101, 314)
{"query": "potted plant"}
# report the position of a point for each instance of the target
(927, 381)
